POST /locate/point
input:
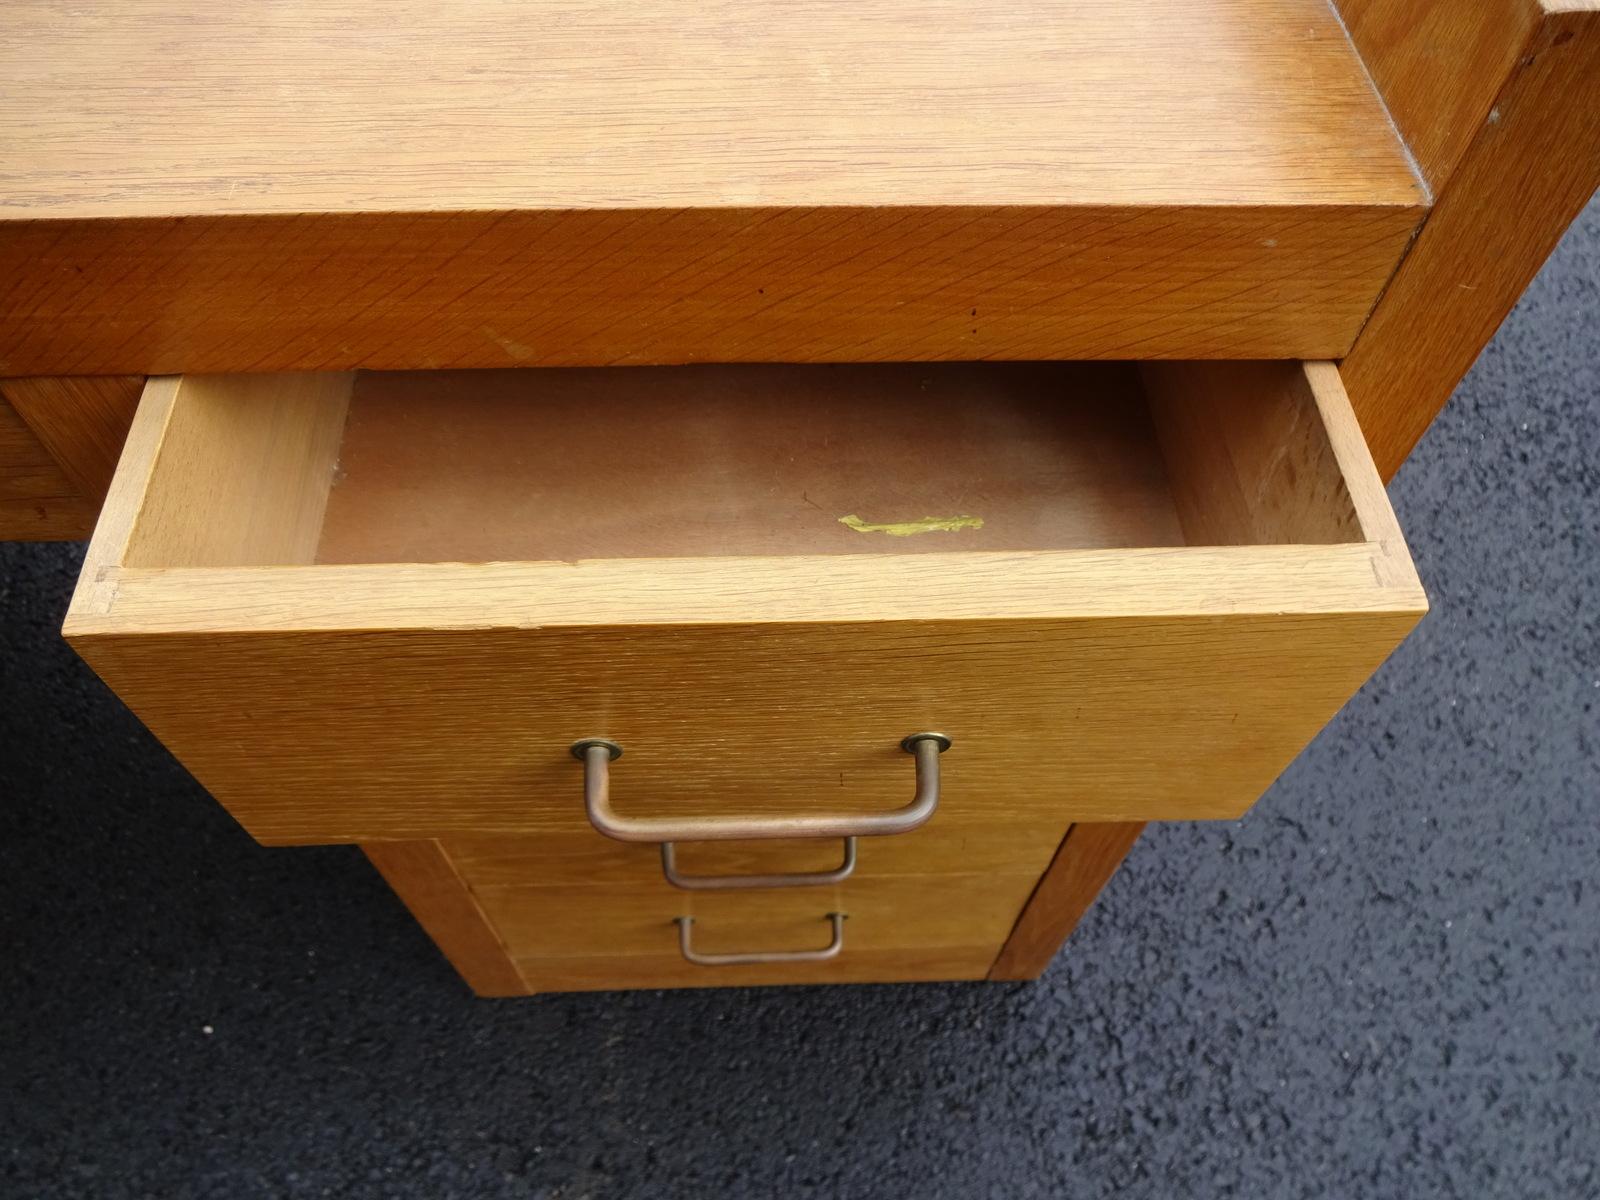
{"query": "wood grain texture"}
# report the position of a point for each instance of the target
(571, 182)
(37, 500)
(1213, 582)
(502, 105)
(251, 460)
(1528, 164)
(421, 875)
(602, 287)
(908, 912)
(951, 844)
(580, 912)
(1089, 855)
(142, 454)
(596, 973)
(81, 420)
(429, 733)
(1249, 455)
(439, 699)
(1374, 515)
(1439, 65)
(570, 930)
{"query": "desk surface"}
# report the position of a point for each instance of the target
(151, 108)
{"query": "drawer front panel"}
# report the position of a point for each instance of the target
(429, 734)
(581, 859)
(912, 912)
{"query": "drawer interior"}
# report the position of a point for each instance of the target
(739, 460)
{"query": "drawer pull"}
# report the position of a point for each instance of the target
(831, 950)
(691, 883)
(596, 754)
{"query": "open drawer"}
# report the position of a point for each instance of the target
(384, 606)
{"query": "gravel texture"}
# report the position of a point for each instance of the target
(1385, 981)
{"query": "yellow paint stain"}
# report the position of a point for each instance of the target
(908, 528)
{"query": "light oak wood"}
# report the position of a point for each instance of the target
(422, 876)
(1219, 582)
(496, 183)
(256, 453)
(600, 287)
(1089, 855)
(577, 912)
(1439, 65)
(952, 843)
(1500, 96)
(439, 699)
(583, 913)
(495, 105)
(37, 500)
(428, 732)
(597, 973)
(82, 423)
(910, 912)
(1249, 455)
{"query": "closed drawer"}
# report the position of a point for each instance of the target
(383, 606)
(572, 916)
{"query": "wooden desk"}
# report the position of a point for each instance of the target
(1130, 585)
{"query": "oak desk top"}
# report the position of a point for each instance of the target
(189, 186)
(116, 110)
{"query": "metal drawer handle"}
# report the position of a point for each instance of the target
(831, 950)
(707, 883)
(596, 754)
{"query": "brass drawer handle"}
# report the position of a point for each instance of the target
(831, 950)
(690, 883)
(596, 754)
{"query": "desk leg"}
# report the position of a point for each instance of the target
(1497, 100)
(1088, 856)
(421, 875)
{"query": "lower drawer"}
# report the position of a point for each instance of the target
(571, 916)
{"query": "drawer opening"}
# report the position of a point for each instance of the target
(308, 586)
(558, 464)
